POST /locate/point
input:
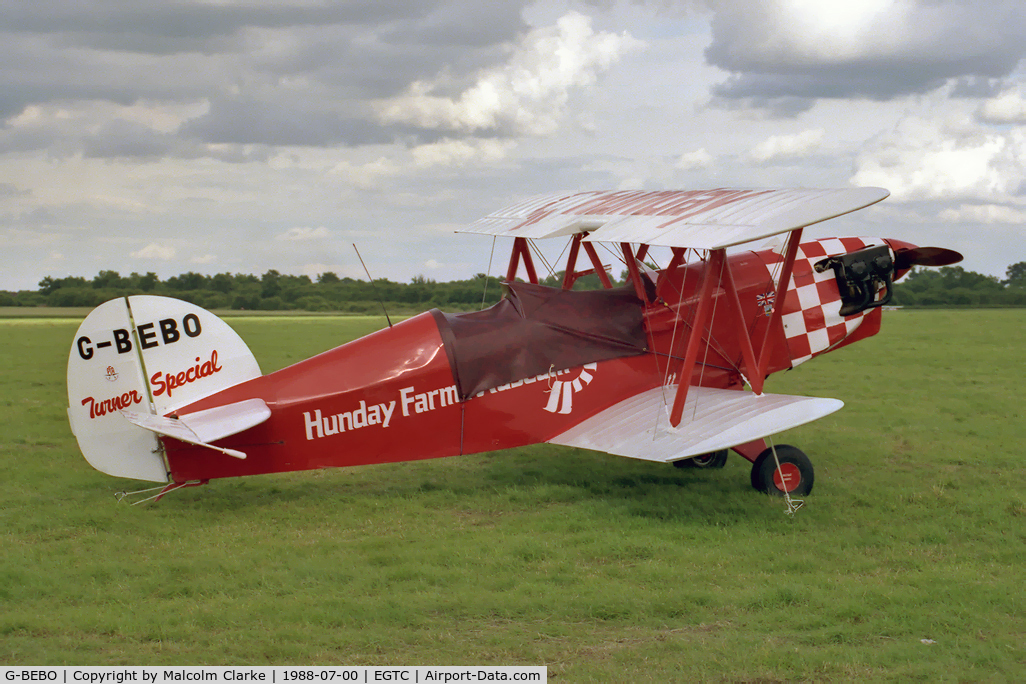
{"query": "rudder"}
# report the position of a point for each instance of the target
(145, 354)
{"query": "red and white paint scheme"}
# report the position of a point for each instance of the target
(669, 367)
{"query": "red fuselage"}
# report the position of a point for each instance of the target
(394, 395)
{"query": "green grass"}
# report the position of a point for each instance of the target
(603, 569)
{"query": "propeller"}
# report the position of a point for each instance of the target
(924, 256)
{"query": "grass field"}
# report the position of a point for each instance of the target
(906, 563)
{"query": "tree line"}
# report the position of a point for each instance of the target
(273, 291)
(953, 286)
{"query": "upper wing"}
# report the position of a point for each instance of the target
(713, 419)
(701, 219)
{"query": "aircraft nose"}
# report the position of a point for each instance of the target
(907, 255)
(899, 245)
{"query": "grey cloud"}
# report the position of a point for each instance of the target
(163, 27)
(474, 25)
(120, 139)
(891, 55)
(974, 87)
(281, 123)
(274, 74)
(10, 190)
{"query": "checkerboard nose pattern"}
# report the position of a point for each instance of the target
(811, 315)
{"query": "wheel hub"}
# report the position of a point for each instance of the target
(792, 477)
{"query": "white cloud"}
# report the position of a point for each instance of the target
(926, 159)
(839, 30)
(788, 146)
(1007, 108)
(368, 175)
(203, 260)
(984, 213)
(432, 264)
(298, 234)
(698, 159)
(459, 152)
(529, 94)
(791, 52)
(155, 251)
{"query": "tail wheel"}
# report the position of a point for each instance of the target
(795, 474)
(715, 459)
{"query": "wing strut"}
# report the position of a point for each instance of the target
(570, 275)
(717, 274)
(710, 277)
(632, 268)
(778, 301)
(520, 251)
(600, 269)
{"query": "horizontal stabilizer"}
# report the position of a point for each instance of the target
(203, 427)
(714, 419)
(700, 219)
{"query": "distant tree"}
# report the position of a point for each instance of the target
(108, 280)
(188, 281)
(246, 301)
(222, 282)
(957, 277)
(327, 278)
(148, 282)
(270, 284)
(272, 304)
(142, 283)
(48, 285)
(1015, 276)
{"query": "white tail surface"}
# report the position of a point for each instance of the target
(150, 355)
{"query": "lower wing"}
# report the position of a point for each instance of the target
(714, 419)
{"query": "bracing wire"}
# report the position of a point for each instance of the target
(673, 341)
(792, 504)
(488, 273)
(373, 289)
(712, 318)
(541, 257)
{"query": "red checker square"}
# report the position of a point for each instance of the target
(813, 250)
(799, 346)
(791, 303)
(814, 318)
(827, 291)
(853, 244)
(836, 333)
(805, 277)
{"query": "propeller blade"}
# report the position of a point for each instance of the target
(925, 256)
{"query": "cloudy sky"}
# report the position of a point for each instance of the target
(245, 135)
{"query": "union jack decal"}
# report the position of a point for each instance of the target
(766, 300)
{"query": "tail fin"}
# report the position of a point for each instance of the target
(145, 354)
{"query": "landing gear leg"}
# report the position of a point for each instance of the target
(794, 476)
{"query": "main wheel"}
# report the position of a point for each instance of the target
(795, 474)
(715, 459)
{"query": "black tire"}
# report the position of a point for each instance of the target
(793, 462)
(715, 459)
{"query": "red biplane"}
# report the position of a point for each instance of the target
(670, 367)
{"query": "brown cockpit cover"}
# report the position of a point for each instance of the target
(536, 329)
